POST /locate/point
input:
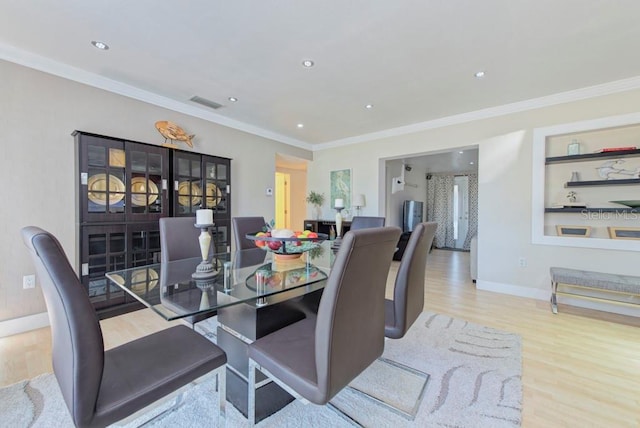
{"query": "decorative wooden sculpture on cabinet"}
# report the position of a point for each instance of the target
(171, 131)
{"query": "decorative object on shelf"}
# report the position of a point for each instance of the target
(189, 193)
(214, 196)
(575, 176)
(630, 204)
(610, 169)
(204, 221)
(573, 148)
(572, 196)
(143, 191)
(171, 131)
(617, 232)
(617, 149)
(574, 231)
(316, 199)
(341, 186)
(97, 186)
(359, 202)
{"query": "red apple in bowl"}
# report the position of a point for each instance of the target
(274, 245)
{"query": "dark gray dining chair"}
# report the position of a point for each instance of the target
(361, 222)
(243, 225)
(406, 306)
(179, 240)
(315, 358)
(408, 291)
(101, 387)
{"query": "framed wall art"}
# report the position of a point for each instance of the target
(341, 187)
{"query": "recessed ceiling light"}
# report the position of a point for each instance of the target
(470, 163)
(300, 125)
(461, 152)
(308, 63)
(479, 74)
(233, 99)
(100, 45)
(369, 106)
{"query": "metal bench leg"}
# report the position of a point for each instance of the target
(554, 301)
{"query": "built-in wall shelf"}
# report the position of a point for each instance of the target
(592, 210)
(592, 156)
(564, 185)
(603, 182)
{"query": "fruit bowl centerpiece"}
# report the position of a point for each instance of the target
(285, 243)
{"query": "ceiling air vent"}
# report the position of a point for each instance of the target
(206, 102)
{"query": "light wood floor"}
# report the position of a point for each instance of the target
(581, 368)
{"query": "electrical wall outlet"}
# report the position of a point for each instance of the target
(29, 281)
(268, 191)
(522, 262)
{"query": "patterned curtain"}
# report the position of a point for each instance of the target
(440, 208)
(473, 210)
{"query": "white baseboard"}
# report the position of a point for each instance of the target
(23, 324)
(538, 294)
(514, 290)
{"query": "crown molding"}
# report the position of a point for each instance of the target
(488, 113)
(47, 65)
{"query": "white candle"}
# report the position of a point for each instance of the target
(204, 217)
(339, 203)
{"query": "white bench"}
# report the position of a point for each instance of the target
(626, 284)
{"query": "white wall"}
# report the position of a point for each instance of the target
(505, 165)
(395, 201)
(38, 113)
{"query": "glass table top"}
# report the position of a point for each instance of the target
(170, 290)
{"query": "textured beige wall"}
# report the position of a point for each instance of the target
(38, 113)
(505, 166)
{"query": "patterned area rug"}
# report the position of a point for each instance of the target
(474, 380)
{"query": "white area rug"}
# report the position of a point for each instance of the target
(475, 381)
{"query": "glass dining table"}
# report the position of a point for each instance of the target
(253, 294)
(246, 276)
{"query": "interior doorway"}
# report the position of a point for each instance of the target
(283, 201)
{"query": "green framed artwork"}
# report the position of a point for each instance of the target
(341, 187)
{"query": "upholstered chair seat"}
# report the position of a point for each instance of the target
(317, 357)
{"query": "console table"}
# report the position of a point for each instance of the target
(324, 226)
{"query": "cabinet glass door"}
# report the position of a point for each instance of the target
(187, 183)
(148, 173)
(103, 250)
(102, 178)
(216, 180)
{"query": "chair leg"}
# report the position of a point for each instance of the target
(251, 407)
(221, 380)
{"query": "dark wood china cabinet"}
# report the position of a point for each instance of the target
(124, 188)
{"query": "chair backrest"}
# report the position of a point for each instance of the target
(178, 238)
(361, 222)
(408, 294)
(242, 226)
(77, 346)
(349, 333)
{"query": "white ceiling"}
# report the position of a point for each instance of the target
(414, 60)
